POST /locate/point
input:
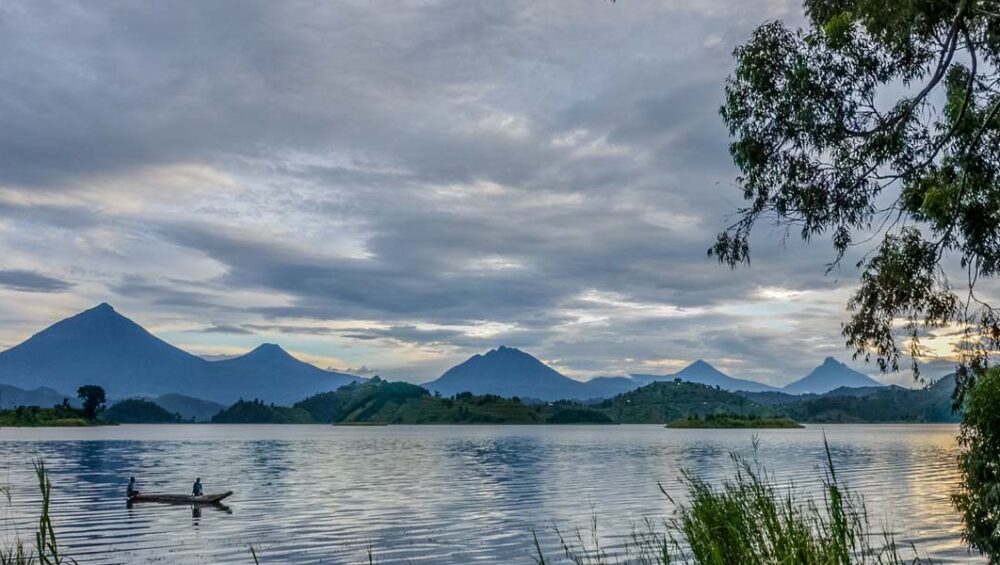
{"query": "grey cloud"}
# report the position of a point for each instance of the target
(576, 147)
(31, 281)
(226, 329)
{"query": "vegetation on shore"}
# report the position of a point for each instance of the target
(46, 550)
(256, 412)
(60, 415)
(748, 519)
(977, 497)
(380, 401)
(733, 421)
(139, 411)
(34, 416)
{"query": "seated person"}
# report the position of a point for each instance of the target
(133, 488)
(196, 490)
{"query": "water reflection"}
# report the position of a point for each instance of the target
(441, 494)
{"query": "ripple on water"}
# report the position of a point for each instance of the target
(438, 494)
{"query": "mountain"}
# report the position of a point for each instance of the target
(189, 408)
(832, 374)
(701, 372)
(509, 372)
(606, 387)
(12, 397)
(269, 364)
(102, 347)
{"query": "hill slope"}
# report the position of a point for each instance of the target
(12, 397)
(832, 374)
(704, 373)
(269, 365)
(508, 372)
(664, 402)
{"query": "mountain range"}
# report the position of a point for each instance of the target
(100, 346)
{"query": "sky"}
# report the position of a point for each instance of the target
(391, 187)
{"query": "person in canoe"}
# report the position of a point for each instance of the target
(133, 488)
(196, 489)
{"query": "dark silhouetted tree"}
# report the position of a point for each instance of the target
(878, 126)
(93, 400)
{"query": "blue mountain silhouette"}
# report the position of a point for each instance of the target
(510, 372)
(831, 375)
(100, 346)
(704, 373)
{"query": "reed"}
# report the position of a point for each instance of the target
(46, 551)
(748, 520)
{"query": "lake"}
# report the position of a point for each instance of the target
(437, 494)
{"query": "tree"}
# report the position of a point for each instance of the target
(878, 126)
(913, 182)
(93, 400)
(979, 496)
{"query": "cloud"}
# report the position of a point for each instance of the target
(400, 188)
(30, 281)
(226, 329)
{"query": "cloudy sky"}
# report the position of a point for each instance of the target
(394, 186)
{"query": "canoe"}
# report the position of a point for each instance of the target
(181, 498)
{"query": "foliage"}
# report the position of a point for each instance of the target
(256, 412)
(819, 150)
(93, 400)
(733, 421)
(664, 402)
(404, 403)
(656, 403)
(879, 405)
(979, 496)
(46, 546)
(139, 411)
(34, 416)
(748, 520)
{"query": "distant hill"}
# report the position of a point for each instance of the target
(102, 347)
(664, 402)
(12, 397)
(881, 405)
(379, 401)
(189, 408)
(257, 412)
(832, 374)
(606, 387)
(270, 373)
(703, 373)
(510, 372)
(138, 411)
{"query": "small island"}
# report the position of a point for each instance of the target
(734, 421)
(61, 415)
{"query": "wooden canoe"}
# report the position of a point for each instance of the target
(181, 498)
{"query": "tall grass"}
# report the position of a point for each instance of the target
(748, 520)
(46, 550)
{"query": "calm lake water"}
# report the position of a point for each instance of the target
(437, 494)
